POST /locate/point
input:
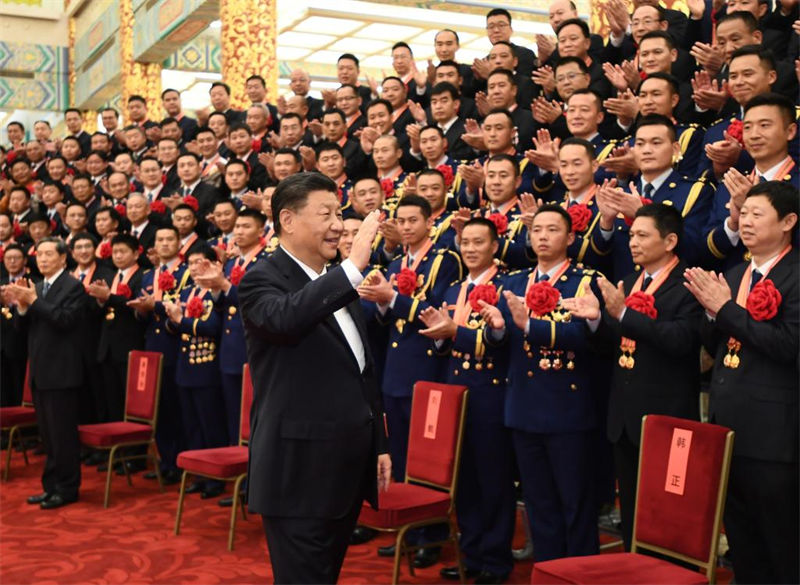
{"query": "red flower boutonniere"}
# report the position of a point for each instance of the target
(581, 216)
(447, 172)
(166, 281)
(124, 290)
(645, 201)
(120, 207)
(763, 301)
(194, 308)
(736, 131)
(388, 188)
(542, 298)
(500, 221)
(158, 206)
(406, 282)
(236, 275)
(192, 202)
(641, 302)
(105, 250)
(482, 292)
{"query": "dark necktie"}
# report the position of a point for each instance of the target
(647, 280)
(470, 288)
(648, 190)
(163, 268)
(186, 191)
(45, 288)
(542, 277)
(756, 276)
(762, 179)
(82, 276)
(204, 165)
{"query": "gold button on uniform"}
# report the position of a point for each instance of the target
(394, 344)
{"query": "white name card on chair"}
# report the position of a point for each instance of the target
(678, 461)
(141, 381)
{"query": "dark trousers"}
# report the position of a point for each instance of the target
(57, 417)
(232, 398)
(111, 401)
(309, 550)
(12, 380)
(486, 502)
(626, 462)
(93, 390)
(169, 431)
(557, 486)
(761, 521)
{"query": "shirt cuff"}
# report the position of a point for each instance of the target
(616, 41)
(422, 90)
(353, 274)
(593, 324)
(497, 334)
(606, 234)
(733, 236)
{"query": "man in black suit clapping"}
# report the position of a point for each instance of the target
(318, 446)
(53, 310)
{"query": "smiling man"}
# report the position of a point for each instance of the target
(317, 446)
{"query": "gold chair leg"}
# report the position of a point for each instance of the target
(399, 549)
(7, 470)
(108, 475)
(459, 562)
(180, 503)
(232, 529)
(152, 450)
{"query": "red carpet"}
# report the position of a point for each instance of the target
(132, 541)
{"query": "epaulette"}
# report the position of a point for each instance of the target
(513, 272)
(455, 282)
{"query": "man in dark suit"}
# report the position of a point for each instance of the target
(13, 340)
(751, 329)
(656, 369)
(52, 311)
(316, 442)
(498, 28)
(206, 195)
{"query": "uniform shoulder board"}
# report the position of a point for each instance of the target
(513, 272)
(692, 125)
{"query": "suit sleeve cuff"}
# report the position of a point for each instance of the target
(353, 274)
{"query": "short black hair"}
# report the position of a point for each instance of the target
(780, 101)
(137, 98)
(555, 208)
(21, 189)
(499, 12)
(351, 57)
(577, 22)
(504, 157)
(490, 225)
(765, 56)
(403, 45)
(416, 201)
(76, 110)
(392, 78)
(185, 207)
(432, 172)
(147, 158)
(169, 90)
(19, 159)
(55, 184)
(671, 80)
(212, 114)
(112, 213)
(746, 17)
(327, 145)
(432, 127)
(507, 73)
(168, 120)
(169, 227)
(116, 113)
(15, 123)
(204, 249)
(205, 129)
(446, 87)
(667, 218)
(292, 116)
(237, 162)
(238, 126)
(286, 150)
(782, 196)
(257, 78)
(449, 63)
(292, 193)
(335, 112)
(659, 34)
(224, 86)
(657, 120)
(502, 111)
(260, 218)
(586, 91)
(61, 246)
(380, 102)
(99, 153)
(126, 240)
(567, 60)
(194, 155)
(82, 236)
(573, 141)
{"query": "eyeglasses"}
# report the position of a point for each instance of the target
(497, 26)
(644, 22)
(567, 77)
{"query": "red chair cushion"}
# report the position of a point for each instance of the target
(404, 503)
(16, 415)
(108, 434)
(220, 462)
(614, 568)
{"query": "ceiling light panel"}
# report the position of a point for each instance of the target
(379, 30)
(360, 46)
(323, 24)
(304, 40)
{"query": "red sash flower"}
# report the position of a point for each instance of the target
(195, 308)
(262, 241)
(581, 216)
(105, 250)
(158, 206)
(641, 302)
(18, 231)
(124, 290)
(192, 202)
(482, 292)
(120, 207)
(406, 282)
(736, 131)
(500, 221)
(763, 301)
(166, 281)
(447, 172)
(236, 275)
(542, 298)
(388, 188)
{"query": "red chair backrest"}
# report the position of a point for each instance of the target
(436, 418)
(680, 455)
(144, 383)
(27, 393)
(247, 402)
